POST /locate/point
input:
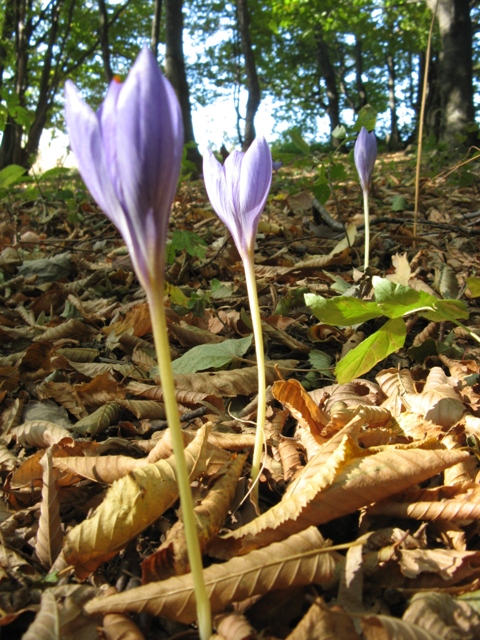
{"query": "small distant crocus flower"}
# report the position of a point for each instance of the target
(129, 156)
(365, 155)
(238, 191)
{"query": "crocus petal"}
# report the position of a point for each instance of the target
(255, 182)
(129, 155)
(86, 142)
(238, 191)
(365, 154)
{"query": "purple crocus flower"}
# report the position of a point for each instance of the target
(129, 156)
(365, 154)
(238, 191)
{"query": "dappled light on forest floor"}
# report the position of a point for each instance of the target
(366, 523)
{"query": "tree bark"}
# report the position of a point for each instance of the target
(252, 82)
(394, 136)
(456, 71)
(104, 40)
(361, 89)
(156, 21)
(176, 72)
(327, 72)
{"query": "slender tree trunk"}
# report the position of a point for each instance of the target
(176, 72)
(156, 21)
(394, 137)
(104, 39)
(252, 82)
(456, 71)
(327, 72)
(361, 89)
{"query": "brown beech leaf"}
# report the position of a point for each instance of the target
(171, 558)
(228, 384)
(105, 469)
(351, 478)
(117, 626)
(297, 561)
(300, 404)
(452, 503)
(438, 401)
(322, 622)
(72, 328)
(49, 535)
(443, 615)
(40, 433)
(132, 503)
(234, 626)
(379, 627)
(46, 625)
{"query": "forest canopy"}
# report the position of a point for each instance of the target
(309, 59)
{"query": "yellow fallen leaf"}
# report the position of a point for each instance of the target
(132, 503)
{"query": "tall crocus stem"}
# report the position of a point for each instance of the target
(249, 268)
(367, 229)
(162, 347)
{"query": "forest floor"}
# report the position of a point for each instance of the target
(367, 521)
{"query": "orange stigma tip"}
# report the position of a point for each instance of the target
(117, 79)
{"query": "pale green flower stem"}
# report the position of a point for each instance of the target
(155, 295)
(367, 229)
(248, 264)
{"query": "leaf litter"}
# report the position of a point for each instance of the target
(366, 525)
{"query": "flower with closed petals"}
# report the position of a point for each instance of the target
(365, 154)
(129, 155)
(238, 191)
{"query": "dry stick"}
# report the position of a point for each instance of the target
(420, 126)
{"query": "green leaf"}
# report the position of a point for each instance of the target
(320, 361)
(367, 117)
(321, 190)
(337, 172)
(452, 310)
(190, 242)
(399, 203)
(342, 311)
(299, 142)
(339, 132)
(10, 175)
(473, 284)
(371, 351)
(211, 356)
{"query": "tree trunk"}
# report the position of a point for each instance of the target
(394, 136)
(327, 72)
(361, 89)
(176, 73)
(156, 21)
(252, 82)
(104, 40)
(456, 71)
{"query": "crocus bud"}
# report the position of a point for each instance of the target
(129, 155)
(238, 191)
(365, 154)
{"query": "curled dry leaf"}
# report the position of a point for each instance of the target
(297, 561)
(117, 626)
(131, 504)
(322, 622)
(443, 615)
(49, 535)
(351, 478)
(301, 405)
(40, 433)
(379, 627)
(460, 502)
(234, 626)
(46, 625)
(171, 558)
(438, 402)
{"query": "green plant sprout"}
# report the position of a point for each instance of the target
(393, 301)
